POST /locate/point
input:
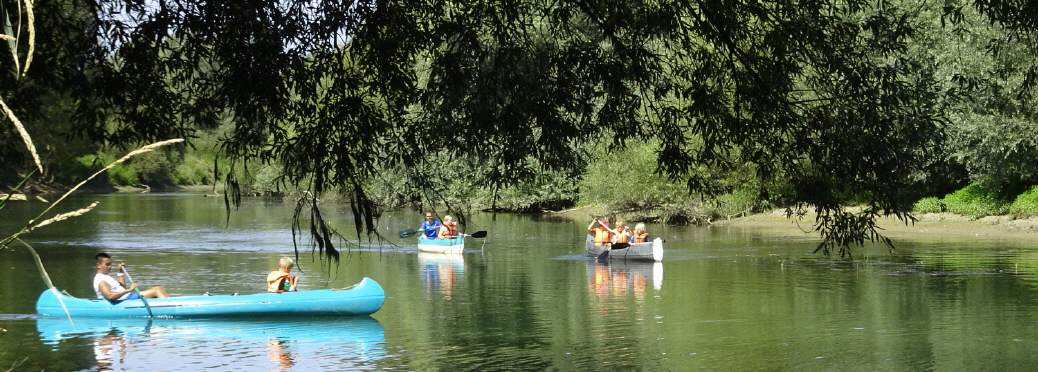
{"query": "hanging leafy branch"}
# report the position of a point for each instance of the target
(824, 96)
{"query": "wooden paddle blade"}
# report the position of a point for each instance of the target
(479, 234)
(407, 232)
(620, 245)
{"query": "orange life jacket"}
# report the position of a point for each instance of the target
(452, 231)
(602, 235)
(622, 238)
(642, 237)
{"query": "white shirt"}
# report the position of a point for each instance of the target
(113, 286)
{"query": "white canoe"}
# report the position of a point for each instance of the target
(450, 246)
(648, 251)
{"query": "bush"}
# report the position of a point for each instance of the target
(928, 205)
(976, 200)
(194, 170)
(156, 169)
(626, 181)
(119, 175)
(732, 204)
(543, 191)
(1000, 148)
(264, 180)
(1026, 204)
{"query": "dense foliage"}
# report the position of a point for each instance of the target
(976, 200)
(928, 204)
(627, 181)
(1026, 204)
(831, 102)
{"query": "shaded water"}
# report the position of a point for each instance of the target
(724, 299)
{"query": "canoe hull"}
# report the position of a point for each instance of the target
(648, 251)
(363, 298)
(449, 246)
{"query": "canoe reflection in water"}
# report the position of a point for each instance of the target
(441, 272)
(141, 344)
(620, 279)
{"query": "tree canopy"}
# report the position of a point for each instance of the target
(832, 98)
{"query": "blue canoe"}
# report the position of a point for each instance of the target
(362, 298)
(451, 246)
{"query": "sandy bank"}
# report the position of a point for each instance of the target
(929, 226)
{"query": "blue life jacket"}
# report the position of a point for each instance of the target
(430, 228)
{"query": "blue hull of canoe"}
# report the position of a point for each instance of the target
(456, 245)
(362, 298)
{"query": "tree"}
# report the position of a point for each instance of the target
(823, 95)
(991, 77)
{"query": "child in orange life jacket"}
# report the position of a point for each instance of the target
(449, 228)
(282, 280)
(600, 231)
(640, 235)
(623, 235)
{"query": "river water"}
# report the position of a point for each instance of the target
(723, 299)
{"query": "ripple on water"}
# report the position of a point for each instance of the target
(14, 317)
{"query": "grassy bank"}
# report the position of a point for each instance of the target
(978, 200)
(978, 211)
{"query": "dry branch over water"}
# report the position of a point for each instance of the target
(25, 134)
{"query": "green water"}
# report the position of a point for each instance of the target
(723, 299)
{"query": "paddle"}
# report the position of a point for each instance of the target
(138, 291)
(620, 245)
(477, 234)
(407, 232)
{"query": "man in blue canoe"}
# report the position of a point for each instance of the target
(110, 289)
(431, 226)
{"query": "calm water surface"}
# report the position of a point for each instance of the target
(724, 299)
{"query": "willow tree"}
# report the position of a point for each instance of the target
(820, 95)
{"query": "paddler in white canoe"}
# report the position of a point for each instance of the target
(618, 242)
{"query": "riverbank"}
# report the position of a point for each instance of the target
(199, 189)
(929, 226)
